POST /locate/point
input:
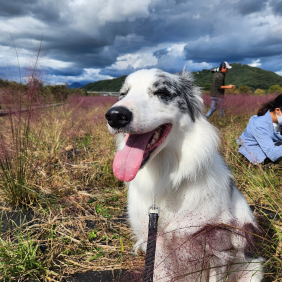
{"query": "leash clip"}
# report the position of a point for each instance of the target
(154, 209)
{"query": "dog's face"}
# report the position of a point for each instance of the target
(151, 105)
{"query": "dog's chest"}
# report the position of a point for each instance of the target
(177, 210)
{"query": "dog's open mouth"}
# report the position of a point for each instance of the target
(137, 151)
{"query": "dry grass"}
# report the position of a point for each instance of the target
(260, 184)
(76, 205)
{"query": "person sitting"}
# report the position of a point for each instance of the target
(261, 140)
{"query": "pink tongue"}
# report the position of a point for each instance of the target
(128, 161)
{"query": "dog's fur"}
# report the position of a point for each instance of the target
(205, 222)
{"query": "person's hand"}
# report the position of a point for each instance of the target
(231, 86)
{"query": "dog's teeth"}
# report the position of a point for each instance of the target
(156, 136)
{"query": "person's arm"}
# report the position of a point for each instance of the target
(265, 141)
(227, 86)
(219, 83)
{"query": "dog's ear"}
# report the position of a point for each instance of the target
(182, 72)
(190, 93)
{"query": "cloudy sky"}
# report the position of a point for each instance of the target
(89, 40)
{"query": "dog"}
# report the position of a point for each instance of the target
(167, 155)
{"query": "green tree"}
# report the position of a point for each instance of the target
(259, 92)
(275, 89)
(244, 89)
(207, 87)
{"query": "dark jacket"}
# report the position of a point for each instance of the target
(217, 81)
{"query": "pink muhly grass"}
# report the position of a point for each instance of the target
(82, 114)
(90, 110)
(87, 103)
(241, 104)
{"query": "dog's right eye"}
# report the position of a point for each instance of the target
(122, 95)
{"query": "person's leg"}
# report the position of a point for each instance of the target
(221, 106)
(213, 107)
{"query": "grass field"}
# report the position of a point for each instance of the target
(56, 169)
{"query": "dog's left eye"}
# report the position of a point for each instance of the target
(162, 93)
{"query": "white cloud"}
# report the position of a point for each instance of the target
(173, 59)
(21, 25)
(255, 63)
(177, 49)
(88, 75)
(55, 64)
(277, 30)
(140, 60)
(12, 57)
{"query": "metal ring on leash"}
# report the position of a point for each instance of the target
(151, 244)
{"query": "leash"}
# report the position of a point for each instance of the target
(151, 244)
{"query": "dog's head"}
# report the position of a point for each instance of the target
(152, 103)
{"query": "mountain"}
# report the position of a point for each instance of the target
(75, 85)
(239, 75)
(111, 85)
(242, 75)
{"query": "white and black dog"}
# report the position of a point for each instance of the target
(167, 154)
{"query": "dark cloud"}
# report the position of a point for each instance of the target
(65, 71)
(91, 52)
(263, 23)
(15, 8)
(91, 58)
(171, 28)
(160, 53)
(276, 6)
(46, 11)
(130, 42)
(43, 10)
(117, 72)
(273, 63)
(177, 2)
(232, 48)
(246, 7)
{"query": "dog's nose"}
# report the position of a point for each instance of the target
(118, 117)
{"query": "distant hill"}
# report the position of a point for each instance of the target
(242, 75)
(75, 85)
(111, 85)
(239, 75)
